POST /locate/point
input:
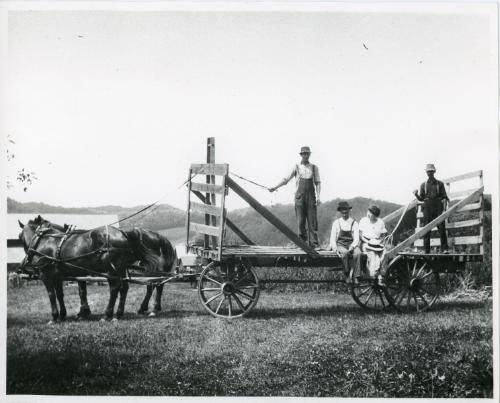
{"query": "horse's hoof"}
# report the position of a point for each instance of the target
(50, 322)
(141, 312)
(102, 320)
(114, 320)
(152, 314)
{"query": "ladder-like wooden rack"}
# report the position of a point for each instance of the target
(476, 206)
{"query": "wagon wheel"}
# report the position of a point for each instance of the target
(413, 285)
(228, 290)
(368, 294)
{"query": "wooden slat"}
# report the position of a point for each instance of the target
(206, 209)
(459, 224)
(424, 230)
(205, 229)
(272, 218)
(210, 169)
(208, 188)
(461, 193)
(462, 177)
(469, 207)
(462, 224)
(230, 224)
(458, 240)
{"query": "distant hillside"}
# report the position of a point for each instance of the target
(159, 217)
(262, 232)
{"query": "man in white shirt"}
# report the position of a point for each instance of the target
(344, 239)
(307, 191)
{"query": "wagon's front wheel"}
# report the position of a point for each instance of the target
(413, 284)
(228, 290)
(368, 293)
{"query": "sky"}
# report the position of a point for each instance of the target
(111, 107)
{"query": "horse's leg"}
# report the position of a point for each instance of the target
(114, 287)
(123, 298)
(145, 302)
(49, 285)
(159, 292)
(60, 298)
(84, 305)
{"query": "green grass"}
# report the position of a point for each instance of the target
(292, 344)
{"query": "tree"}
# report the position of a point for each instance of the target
(24, 178)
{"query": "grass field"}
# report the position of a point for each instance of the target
(292, 344)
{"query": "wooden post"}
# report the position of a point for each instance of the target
(272, 218)
(446, 205)
(210, 197)
(188, 211)
(481, 215)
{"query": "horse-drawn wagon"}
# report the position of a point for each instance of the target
(229, 287)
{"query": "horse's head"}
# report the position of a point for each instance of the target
(28, 230)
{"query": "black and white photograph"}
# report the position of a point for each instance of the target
(249, 199)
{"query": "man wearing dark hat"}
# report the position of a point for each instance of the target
(344, 239)
(307, 192)
(433, 194)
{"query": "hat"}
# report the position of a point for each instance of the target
(305, 149)
(343, 205)
(374, 245)
(430, 167)
(374, 209)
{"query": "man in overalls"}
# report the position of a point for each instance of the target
(433, 194)
(308, 188)
(344, 240)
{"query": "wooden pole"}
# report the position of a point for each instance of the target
(210, 197)
(272, 218)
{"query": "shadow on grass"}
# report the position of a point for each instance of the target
(339, 310)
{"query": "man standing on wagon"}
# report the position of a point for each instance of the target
(433, 194)
(308, 188)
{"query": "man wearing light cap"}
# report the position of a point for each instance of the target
(433, 194)
(307, 192)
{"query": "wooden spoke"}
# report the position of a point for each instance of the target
(230, 306)
(220, 304)
(238, 301)
(244, 294)
(248, 287)
(212, 298)
(212, 280)
(210, 289)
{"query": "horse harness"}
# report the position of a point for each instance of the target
(41, 232)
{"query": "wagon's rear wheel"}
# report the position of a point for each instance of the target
(412, 284)
(228, 290)
(368, 293)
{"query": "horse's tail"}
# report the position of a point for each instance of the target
(169, 253)
(149, 259)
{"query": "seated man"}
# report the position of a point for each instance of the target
(372, 231)
(344, 239)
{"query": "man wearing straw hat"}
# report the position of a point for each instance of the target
(307, 191)
(433, 194)
(344, 240)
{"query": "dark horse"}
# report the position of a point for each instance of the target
(107, 250)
